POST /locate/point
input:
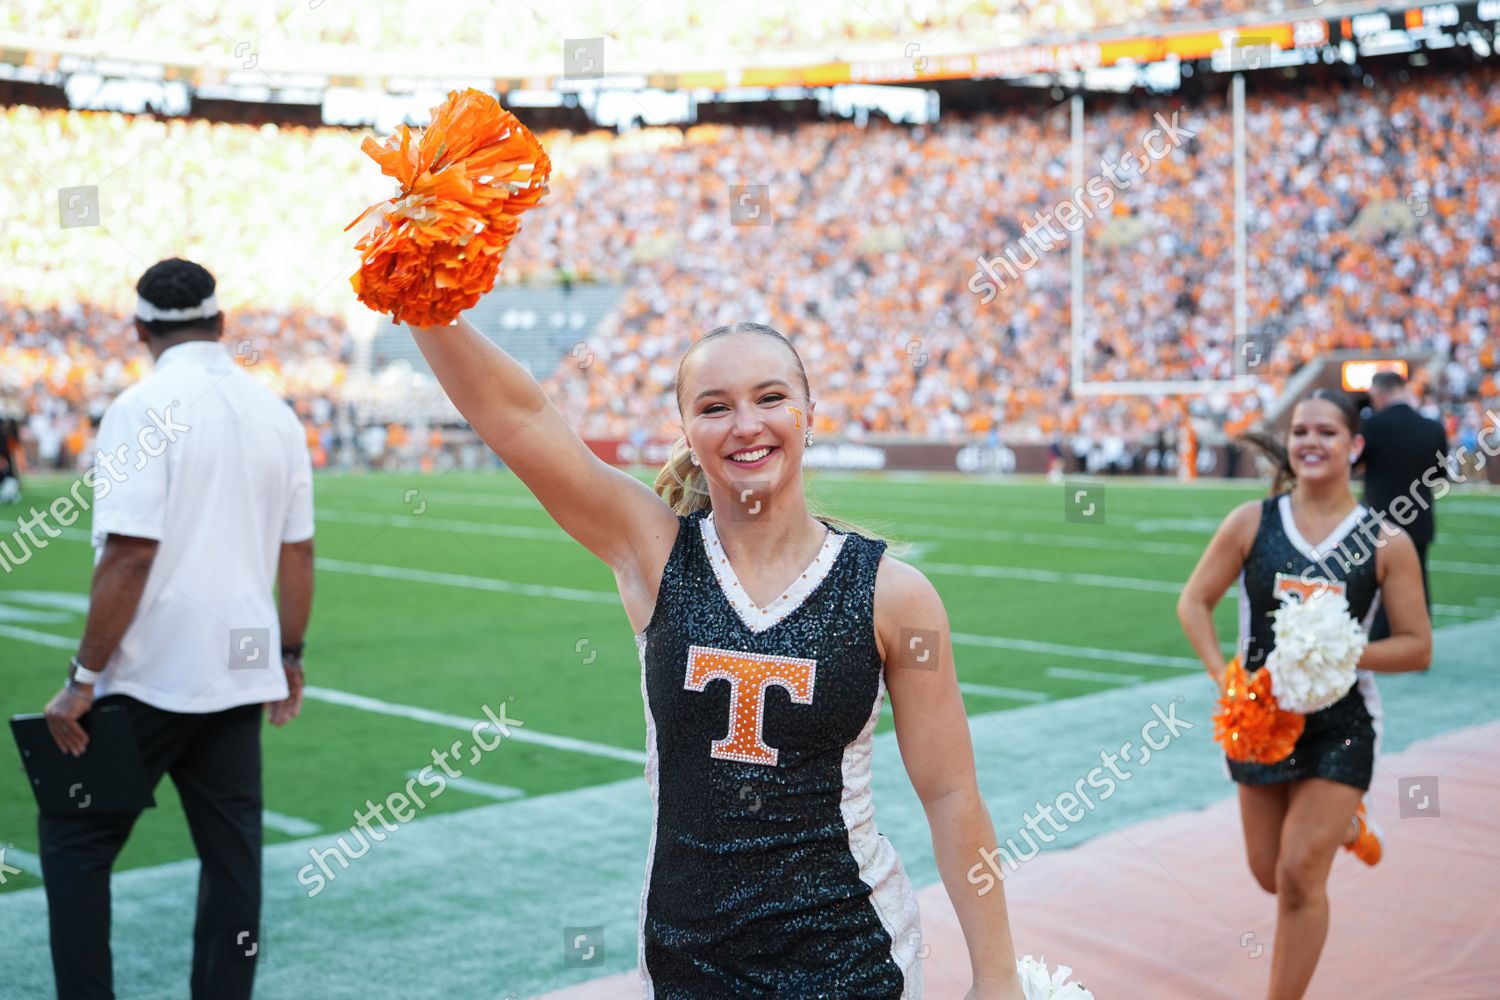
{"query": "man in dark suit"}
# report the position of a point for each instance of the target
(1402, 458)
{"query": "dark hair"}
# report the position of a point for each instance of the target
(175, 283)
(1387, 382)
(1275, 448)
(684, 486)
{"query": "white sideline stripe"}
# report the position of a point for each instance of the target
(964, 638)
(1462, 611)
(1082, 652)
(476, 787)
(292, 825)
(1014, 694)
(1061, 541)
(1054, 576)
(518, 734)
(424, 522)
(524, 501)
(40, 638)
(390, 708)
(1477, 569)
(24, 860)
(458, 526)
(1097, 676)
(471, 582)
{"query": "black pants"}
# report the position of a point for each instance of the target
(1380, 628)
(214, 760)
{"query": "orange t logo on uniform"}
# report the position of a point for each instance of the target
(1287, 584)
(749, 675)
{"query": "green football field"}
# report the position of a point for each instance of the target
(439, 595)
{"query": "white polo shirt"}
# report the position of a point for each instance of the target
(214, 466)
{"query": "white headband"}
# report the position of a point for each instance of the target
(146, 312)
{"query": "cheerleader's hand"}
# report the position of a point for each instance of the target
(996, 991)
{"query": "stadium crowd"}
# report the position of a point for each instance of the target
(1373, 223)
(412, 35)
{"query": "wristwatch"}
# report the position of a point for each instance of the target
(78, 673)
(292, 652)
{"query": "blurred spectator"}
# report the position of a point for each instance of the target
(866, 261)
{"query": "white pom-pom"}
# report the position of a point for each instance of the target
(1038, 983)
(1318, 646)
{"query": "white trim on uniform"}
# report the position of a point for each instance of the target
(758, 619)
(891, 893)
(1366, 678)
(1289, 527)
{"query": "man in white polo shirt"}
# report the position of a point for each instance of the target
(202, 502)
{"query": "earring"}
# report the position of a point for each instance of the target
(807, 437)
(692, 456)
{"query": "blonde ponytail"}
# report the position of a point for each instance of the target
(681, 483)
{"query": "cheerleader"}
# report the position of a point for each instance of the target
(768, 639)
(1298, 812)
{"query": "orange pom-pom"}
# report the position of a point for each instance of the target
(464, 184)
(1249, 725)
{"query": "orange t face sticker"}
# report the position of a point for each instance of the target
(749, 676)
(1288, 584)
(796, 417)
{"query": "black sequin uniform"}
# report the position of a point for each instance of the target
(766, 876)
(1339, 742)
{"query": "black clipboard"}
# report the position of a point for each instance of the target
(110, 777)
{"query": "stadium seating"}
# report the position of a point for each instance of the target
(661, 34)
(1372, 226)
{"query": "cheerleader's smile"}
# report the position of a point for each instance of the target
(752, 458)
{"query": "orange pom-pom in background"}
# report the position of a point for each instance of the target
(464, 183)
(1249, 725)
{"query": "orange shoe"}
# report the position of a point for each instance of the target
(1367, 845)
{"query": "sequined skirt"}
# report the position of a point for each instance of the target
(1338, 744)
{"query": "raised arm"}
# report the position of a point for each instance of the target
(1218, 567)
(608, 512)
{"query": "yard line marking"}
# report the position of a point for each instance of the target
(1014, 694)
(1185, 525)
(471, 582)
(40, 638)
(1054, 576)
(425, 522)
(609, 597)
(291, 825)
(444, 523)
(390, 708)
(1461, 611)
(1061, 541)
(525, 501)
(1477, 569)
(476, 787)
(1081, 652)
(518, 734)
(1097, 676)
(961, 638)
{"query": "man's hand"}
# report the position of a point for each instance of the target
(63, 712)
(284, 711)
